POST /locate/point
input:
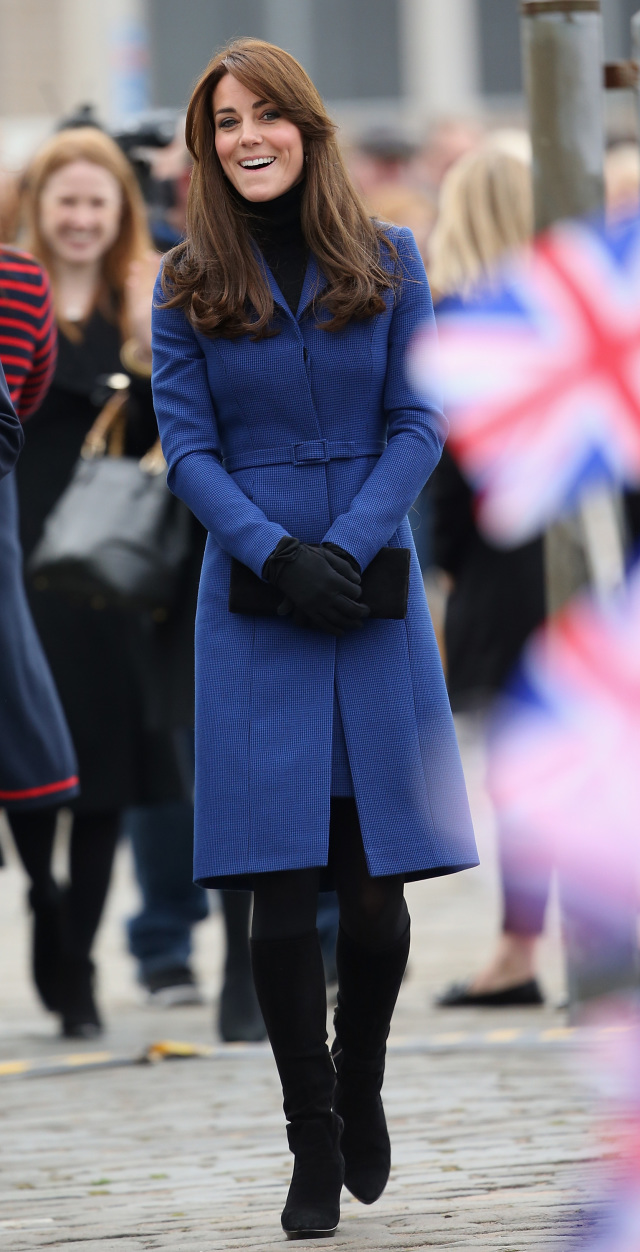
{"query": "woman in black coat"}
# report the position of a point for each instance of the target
(496, 595)
(87, 224)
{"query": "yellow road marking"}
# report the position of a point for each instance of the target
(83, 1058)
(502, 1036)
(15, 1067)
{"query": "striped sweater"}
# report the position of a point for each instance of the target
(28, 335)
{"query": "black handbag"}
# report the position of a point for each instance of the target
(117, 536)
(385, 587)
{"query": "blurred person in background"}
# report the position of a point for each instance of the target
(38, 769)
(280, 332)
(495, 595)
(447, 140)
(9, 205)
(86, 224)
(622, 181)
(381, 157)
(404, 206)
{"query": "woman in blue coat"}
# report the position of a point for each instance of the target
(325, 748)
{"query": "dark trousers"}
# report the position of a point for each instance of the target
(94, 838)
(161, 838)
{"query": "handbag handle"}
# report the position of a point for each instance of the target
(106, 436)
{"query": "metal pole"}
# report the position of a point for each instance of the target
(562, 52)
(635, 52)
(563, 65)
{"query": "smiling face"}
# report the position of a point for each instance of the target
(259, 150)
(80, 212)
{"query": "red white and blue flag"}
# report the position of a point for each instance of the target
(541, 377)
(564, 753)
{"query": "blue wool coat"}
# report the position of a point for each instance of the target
(37, 760)
(316, 434)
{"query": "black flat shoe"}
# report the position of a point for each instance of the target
(459, 995)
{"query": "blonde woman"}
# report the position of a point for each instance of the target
(86, 223)
(496, 596)
(485, 212)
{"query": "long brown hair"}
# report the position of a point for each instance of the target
(214, 275)
(87, 143)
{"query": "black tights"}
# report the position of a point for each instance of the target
(373, 911)
(93, 843)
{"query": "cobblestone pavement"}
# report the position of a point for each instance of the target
(494, 1143)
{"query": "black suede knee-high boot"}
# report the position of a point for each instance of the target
(239, 1016)
(289, 981)
(368, 986)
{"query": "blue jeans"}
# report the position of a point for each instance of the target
(162, 842)
(328, 918)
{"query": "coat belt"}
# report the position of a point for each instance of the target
(309, 452)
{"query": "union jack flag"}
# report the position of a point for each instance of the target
(613, 1060)
(564, 752)
(541, 376)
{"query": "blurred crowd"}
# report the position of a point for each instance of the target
(95, 212)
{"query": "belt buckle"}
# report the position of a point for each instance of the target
(311, 451)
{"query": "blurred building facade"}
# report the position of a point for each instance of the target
(374, 59)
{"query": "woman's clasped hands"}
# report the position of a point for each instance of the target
(321, 588)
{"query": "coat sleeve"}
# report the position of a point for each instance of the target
(45, 346)
(416, 431)
(188, 431)
(11, 434)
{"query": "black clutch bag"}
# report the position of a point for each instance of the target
(385, 587)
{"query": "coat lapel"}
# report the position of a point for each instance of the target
(314, 282)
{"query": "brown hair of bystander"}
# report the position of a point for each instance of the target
(133, 242)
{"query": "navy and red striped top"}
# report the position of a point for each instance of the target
(28, 336)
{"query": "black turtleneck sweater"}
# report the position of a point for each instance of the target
(275, 226)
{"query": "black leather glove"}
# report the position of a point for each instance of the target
(322, 587)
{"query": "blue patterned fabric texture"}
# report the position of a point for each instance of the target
(37, 760)
(11, 435)
(265, 687)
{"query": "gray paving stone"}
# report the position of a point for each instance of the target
(495, 1144)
